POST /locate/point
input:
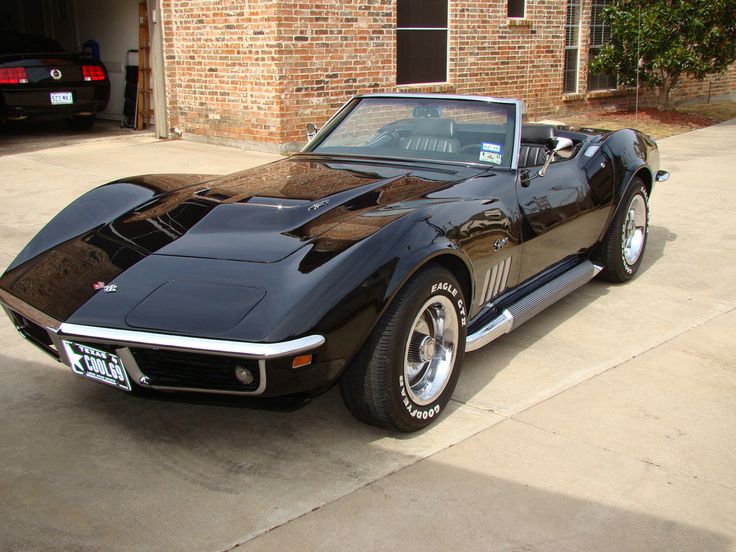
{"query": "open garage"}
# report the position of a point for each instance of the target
(119, 33)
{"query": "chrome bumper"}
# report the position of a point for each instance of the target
(123, 340)
(193, 344)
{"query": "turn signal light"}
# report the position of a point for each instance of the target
(93, 73)
(13, 75)
(301, 361)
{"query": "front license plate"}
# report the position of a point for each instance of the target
(97, 365)
(61, 98)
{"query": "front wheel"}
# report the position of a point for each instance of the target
(404, 375)
(623, 248)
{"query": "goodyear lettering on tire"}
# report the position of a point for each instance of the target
(415, 411)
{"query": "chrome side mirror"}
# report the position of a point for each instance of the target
(564, 147)
(311, 131)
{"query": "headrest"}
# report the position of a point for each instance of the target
(435, 127)
(536, 134)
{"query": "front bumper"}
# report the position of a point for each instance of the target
(160, 361)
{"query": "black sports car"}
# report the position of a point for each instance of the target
(410, 229)
(39, 80)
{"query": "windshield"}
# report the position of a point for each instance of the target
(456, 130)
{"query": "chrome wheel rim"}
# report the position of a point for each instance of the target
(431, 347)
(635, 230)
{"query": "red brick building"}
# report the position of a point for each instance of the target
(255, 72)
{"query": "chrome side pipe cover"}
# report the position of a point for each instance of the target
(532, 304)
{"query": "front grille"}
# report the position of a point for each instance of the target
(36, 334)
(194, 370)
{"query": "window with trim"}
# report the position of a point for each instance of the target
(421, 41)
(572, 47)
(516, 8)
(600, 34)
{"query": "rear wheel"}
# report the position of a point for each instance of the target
(81, 122)
(406, 372)
(623, 248)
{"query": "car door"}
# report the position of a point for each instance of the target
(564, 212)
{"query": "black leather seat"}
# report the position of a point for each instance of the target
(533, 139)
(531, 155)
(536, 134)
(432, 135)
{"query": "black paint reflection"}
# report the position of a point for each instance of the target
(266, 216)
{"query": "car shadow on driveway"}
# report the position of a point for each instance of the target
(659, 237)
(74, 448)
(513, 489)
(182, 476)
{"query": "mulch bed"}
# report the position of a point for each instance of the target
(648, 115)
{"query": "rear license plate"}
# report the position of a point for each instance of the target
(97, 365)
(61, 98)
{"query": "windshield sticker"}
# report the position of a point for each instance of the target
(493, 148)
(491, 153)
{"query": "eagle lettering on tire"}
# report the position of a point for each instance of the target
(407, 370)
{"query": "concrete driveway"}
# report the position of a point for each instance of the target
(606, 423)
(29, 136)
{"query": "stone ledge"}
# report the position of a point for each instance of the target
(438, 87)
(573, 97)
(611, 93)
(519, 22)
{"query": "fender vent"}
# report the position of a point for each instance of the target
(495, 281)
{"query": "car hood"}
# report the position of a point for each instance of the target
(260, 215)
(265, 214)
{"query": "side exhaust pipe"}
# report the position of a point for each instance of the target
(531, 305)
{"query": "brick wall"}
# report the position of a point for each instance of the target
(332, 51)
(256, 72)
(351, 50)
(221, 62)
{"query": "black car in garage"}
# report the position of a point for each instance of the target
(39, 80)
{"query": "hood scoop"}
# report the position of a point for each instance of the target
(268, 229)
(241, 232)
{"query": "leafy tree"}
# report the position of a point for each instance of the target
(668, 40)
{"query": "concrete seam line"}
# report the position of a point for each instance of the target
(644, 352)
(360, 488)
(678, 471)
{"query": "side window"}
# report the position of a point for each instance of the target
(600, 34)
(517, 8)
(572, 47)
(421, 41)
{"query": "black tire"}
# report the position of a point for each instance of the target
(400, 383)
(628, 234)
(81, 122)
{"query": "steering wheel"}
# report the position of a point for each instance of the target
(384, 137)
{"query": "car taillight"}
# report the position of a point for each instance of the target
(13, 75)
(93, 73)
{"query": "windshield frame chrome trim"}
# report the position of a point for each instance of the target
(355, 100)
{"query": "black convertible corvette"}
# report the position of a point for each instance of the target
(411, 229)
